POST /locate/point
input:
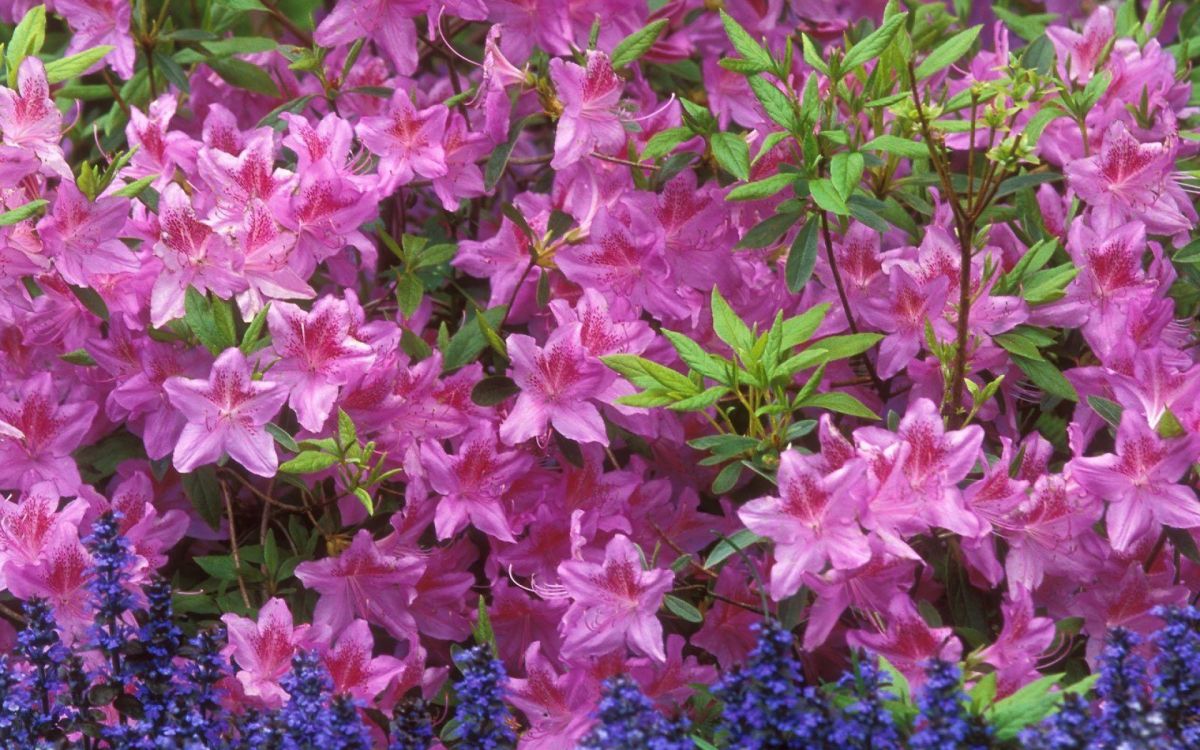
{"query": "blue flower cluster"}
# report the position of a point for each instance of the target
(627, 720)
(138, 682)
(484, 721)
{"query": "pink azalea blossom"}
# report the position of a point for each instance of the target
(317, 355)
(192, 254)
(101, 22)
(1139, 482)
(559, 705)
(408, 141)
(614, 603)
(908, 642)
(29, 119)
(1079, 53)
(83, 237)
(472, 485)
(364, 582)
(590, 120)
(226, 414)
(813, 522)
(352, 667)
(50, 429)
(263, 650)
(556, 380)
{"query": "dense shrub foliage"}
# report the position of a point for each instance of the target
(602, 374)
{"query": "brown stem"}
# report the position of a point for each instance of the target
(880, 386)
(237, 557)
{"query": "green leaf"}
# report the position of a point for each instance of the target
(78, 357)
(700, 401)
(849, 345)
(726, 479)
(745, 45)
(1015, 343)
(665, 141)
(729, 546)
(827, 197)
(134, 189)
(173, 71)
(812, 55)
(240, 45)
(768, 232)
(364, 497)
(846, 170)
(482, 630)
(843, 403)
(26, 41)
(347, 432)
(728, 326)
(469, 342)
(244, 75)
(948, 52)
(802, 257)
(1109, 411)
(892, 144)
(1049, 284)
(92, 300)
(1026, 707)
(23, 212)
(682, 609)
(776, 103)
(694, 356)
(494, 390)
(732, 153)
(202, 321)
(765, 188)
(645, 373)
(799, 329)
(69, 67)
(1047, 377)
(220, 567)
(204, 493)
(282, 437)
(874, 43)
(254, 330)
(308, 462)
(637, 44)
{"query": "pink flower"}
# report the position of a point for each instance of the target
(49, 432)
(28, 526)
(29, 119)
(408, 141)
(84, 237)
(472, 484)
(226, 414)
(1139, 482)
(902, 313)
(263, 650)
(1022, 641)
(463, 178)
(813, 523)
(364, 582)
(1129, 180)
(559, 705)
(556, 380)
(267, 252)
(159, 150)
(353, 669)
(100, 22)
(614, 603)
(1079, 54)
(388, 22)
(922, 488)
(590, 119)
(60, 575)
(908, 641)
(192, 254)
(150, 534)
(317, 355)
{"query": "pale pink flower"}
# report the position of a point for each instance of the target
(590, 119)
(557, 382)
(49, 431)
(226, 414)
(263, 650)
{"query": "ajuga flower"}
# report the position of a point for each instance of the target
(410, 727)
(1127, 716)
(767, 704)
(864, 723)
(482, 714)
(943, 721)
(627, 720)
(1177, 674)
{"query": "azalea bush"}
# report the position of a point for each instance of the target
(599, 374)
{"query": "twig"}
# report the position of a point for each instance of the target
(237, 557)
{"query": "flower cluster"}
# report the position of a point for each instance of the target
(485, 373)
